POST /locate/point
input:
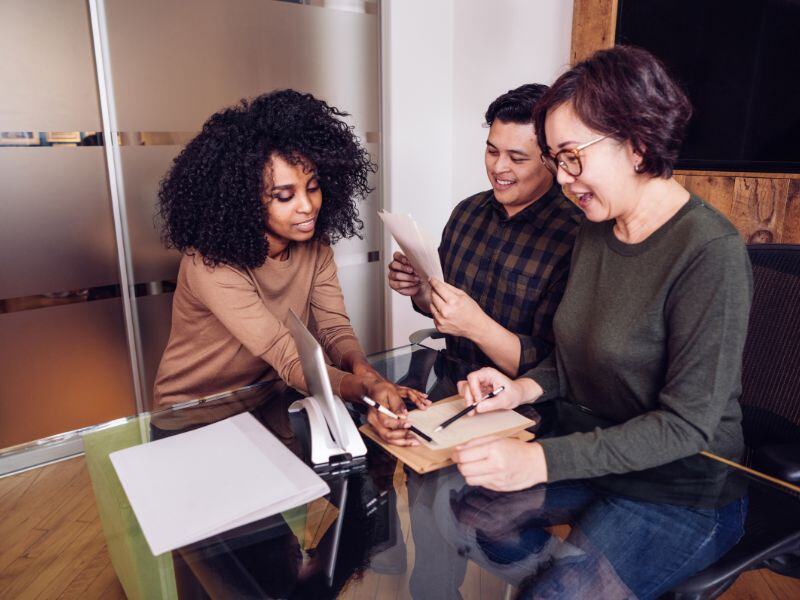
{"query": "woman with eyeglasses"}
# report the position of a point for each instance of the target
(649, 336)
(253, 203)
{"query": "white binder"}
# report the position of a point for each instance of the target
(201, 483)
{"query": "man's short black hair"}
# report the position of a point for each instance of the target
(516, 106)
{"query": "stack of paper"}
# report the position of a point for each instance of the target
(204, 482)
(418, 246)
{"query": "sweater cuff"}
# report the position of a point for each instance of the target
(559, 456)
(547, 378)
(336, 376)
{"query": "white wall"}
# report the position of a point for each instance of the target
(443, 62)
(417, 82)
(499, 45)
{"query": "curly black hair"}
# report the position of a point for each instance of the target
(212, 199)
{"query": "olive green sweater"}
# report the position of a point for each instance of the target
(649, 341)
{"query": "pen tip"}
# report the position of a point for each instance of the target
(438, 429)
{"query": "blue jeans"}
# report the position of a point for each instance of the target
(617, 547)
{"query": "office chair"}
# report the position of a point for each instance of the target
(420, 335)
(771, 422)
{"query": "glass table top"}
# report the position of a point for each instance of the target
(387, 532)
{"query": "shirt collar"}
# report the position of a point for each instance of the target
(537, 213)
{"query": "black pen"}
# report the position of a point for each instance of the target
(383, 410)
(468, 409)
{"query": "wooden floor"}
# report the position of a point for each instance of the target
(51, 542)
(52, 546)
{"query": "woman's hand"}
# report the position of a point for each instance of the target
(358, 364)
(419, 399)
(393, 431)
(481, 382)
(501, 464)
(454, 311)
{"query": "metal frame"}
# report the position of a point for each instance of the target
(116, 186)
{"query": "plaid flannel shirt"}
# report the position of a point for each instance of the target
(515, 268)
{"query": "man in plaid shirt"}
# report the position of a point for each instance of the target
(505, 252)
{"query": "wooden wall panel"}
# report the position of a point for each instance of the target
(759, 208)
(791, 223)
(764, 207)
(593, 27)
(717, 191)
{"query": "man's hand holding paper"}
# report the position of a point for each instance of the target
(454, 311)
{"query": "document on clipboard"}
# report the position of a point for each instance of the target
(429, 457)
(416, 244)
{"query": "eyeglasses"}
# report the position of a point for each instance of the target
(569, 159)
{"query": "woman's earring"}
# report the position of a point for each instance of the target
(638, 168)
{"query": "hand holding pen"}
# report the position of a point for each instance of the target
(478, 383)
(391, 396)
(470, 408)
(385, 411)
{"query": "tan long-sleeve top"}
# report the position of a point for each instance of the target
(228, 324)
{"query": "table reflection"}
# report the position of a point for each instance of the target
(385, 527)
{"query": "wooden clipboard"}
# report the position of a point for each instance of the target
(424, 459)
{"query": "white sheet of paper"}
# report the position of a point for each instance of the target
(417, 245)
(193, 485)
(466, 428)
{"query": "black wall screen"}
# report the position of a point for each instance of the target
(739, 62)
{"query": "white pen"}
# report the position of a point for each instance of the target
(385, 411)
(379, 407)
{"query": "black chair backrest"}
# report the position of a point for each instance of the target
(771, 364)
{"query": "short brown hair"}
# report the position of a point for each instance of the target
(624, 91)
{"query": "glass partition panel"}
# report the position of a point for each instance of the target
(199, 57)
(64, 354)
(47, 67)
(62, 368)
(335, 56)
(155, 318)
(64, 360)
(207, 54)
(143, 167)
(56, 225)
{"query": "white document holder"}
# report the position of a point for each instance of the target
(332, 430)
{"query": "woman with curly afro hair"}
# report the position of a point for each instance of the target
(253, 204)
